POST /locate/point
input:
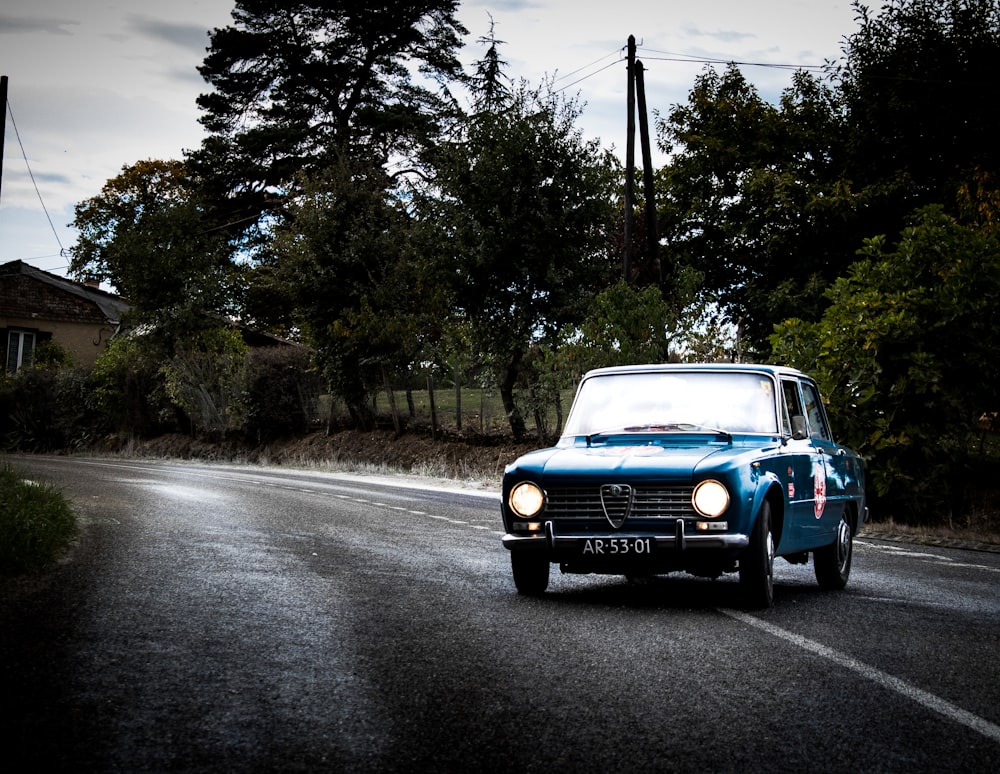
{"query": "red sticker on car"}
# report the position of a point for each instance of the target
(819, 488)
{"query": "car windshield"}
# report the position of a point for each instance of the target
(732, 402)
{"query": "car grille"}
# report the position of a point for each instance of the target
(647, 503)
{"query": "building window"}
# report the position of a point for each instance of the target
(20, 349)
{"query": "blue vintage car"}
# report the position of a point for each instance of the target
(706, 469)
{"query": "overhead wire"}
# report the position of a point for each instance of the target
(17, 134)
(668, 56)
(616, 52)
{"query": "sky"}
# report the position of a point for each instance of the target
(96, 85)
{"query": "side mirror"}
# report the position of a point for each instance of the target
(799, 430)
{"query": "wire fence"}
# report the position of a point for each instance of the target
(468, 411)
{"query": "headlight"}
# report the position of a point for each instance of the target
(710, 499)
(526, 499)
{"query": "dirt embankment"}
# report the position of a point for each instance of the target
(472, 459)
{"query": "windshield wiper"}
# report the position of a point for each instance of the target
(661, 427)
(681, 427)
(591, 436)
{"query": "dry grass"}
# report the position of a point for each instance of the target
(938, 535)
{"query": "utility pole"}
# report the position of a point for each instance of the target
(652, 238)
(3, 122)
(629, 162)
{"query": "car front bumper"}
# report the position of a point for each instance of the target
(557, 543)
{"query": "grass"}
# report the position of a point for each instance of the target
(36, 524)
(984, 534)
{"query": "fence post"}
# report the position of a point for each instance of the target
(430, 396)
(458, 399)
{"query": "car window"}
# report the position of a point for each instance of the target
(818, 427)
(792, 404)
(675, 401)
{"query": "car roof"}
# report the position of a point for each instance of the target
(773, 370)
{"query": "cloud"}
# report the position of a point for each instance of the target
(190, 37)
(20, 25)
(729, 37)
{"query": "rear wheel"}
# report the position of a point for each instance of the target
(531, 572)
(757, 563)
(832, 563)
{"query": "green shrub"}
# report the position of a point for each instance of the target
(281, 395)
(129, 386)
(205, 378)
(45, 408)
(36, 524)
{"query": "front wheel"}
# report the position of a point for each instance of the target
(832, 563)
(757, 563)
(531, 572)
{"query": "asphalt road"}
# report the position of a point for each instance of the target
(219, 618)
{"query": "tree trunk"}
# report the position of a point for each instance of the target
(517, 426)
(396, 424)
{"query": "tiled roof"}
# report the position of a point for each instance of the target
(111, 306)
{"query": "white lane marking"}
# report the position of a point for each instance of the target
(928, 700)
(930, 557)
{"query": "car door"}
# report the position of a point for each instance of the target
(800, 465)
(830, 473)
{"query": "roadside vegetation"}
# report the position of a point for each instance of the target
(36, 524)
(449, 261)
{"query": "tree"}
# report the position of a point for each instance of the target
(771, 202)
(344, 255)
(907, 355)
(627, 325)
(295, 85)
(526, 209)
(914, 81)
(752, 197)
(146, 234)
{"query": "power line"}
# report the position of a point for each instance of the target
(17, 134)
(617, 52)
(591, 75)
(669, 56)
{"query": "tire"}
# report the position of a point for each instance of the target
(531, 572)
(832, 563)
(757, 563)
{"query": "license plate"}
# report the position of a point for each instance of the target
(618, 546)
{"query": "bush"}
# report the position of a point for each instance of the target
(205, 378)
(908, 357)
(48, 408)
(36, 524)
(130, 389)
(281, 396)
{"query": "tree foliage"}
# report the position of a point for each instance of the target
(771, 202)
(626, 325)
(295, 85)
(907, 355)
(914, 81)
(526, 217)
(344, 254)
(752, 197)
(146, 234)
(206, 378)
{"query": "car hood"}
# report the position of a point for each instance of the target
(625, 461)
